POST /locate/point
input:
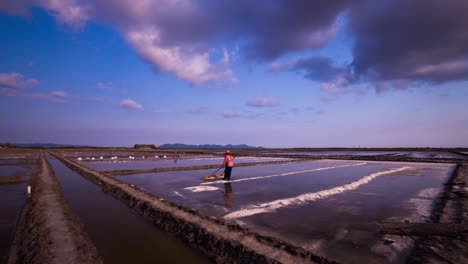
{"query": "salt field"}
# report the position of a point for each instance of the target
(321, 209)
(324, 206)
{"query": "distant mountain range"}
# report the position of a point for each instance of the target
(207, 146)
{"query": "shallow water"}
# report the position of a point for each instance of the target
(329, 207)
(13, 170)
(12, 199)
(120, 235)
(338, 153)
(126, 164)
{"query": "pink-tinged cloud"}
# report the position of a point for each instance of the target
(262, 102)
(9, 92)
(14, 80)
(61, 94)
(130, 104)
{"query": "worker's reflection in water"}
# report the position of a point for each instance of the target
(227, 194)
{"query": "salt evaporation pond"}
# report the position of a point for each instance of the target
(120, 235)
(336, 153)
(13, 198)
(329, 207)
(127, 164)
(11, 170)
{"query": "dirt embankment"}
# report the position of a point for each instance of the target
(48, 231)
(445, 238)
(221, 241)
(5, 180)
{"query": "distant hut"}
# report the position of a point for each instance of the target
(145, 146)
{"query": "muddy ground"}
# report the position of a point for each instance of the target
(48, 231)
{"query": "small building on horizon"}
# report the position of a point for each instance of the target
(145, 146)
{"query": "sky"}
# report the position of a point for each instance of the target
(277, 73)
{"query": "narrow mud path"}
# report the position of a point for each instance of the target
(48, 230)
(220, 240)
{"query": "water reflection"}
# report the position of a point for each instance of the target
(227, 195)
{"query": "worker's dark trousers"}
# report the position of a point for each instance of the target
(227, 173)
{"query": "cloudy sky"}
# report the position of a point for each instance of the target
(276, 73)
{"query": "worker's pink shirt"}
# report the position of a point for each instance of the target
(228, 161)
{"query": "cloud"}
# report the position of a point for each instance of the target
(244, 114)
(233, 115)
(262, 102)
(104, 85)
(414, 41)
(197, 110)
(13, 80)
(315, 68)
(61, 94)
(194, 67)
(6, 92)
(177, 37)
(394, 41)
(130, 104)
(54, 96)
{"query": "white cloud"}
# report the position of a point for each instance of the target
(130, 104)
(194, 67)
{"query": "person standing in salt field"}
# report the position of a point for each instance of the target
(228, 164)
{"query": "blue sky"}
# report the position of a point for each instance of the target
(275, 75)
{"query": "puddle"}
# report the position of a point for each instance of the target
(120, 235)
(329, 207)
(13, 198)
